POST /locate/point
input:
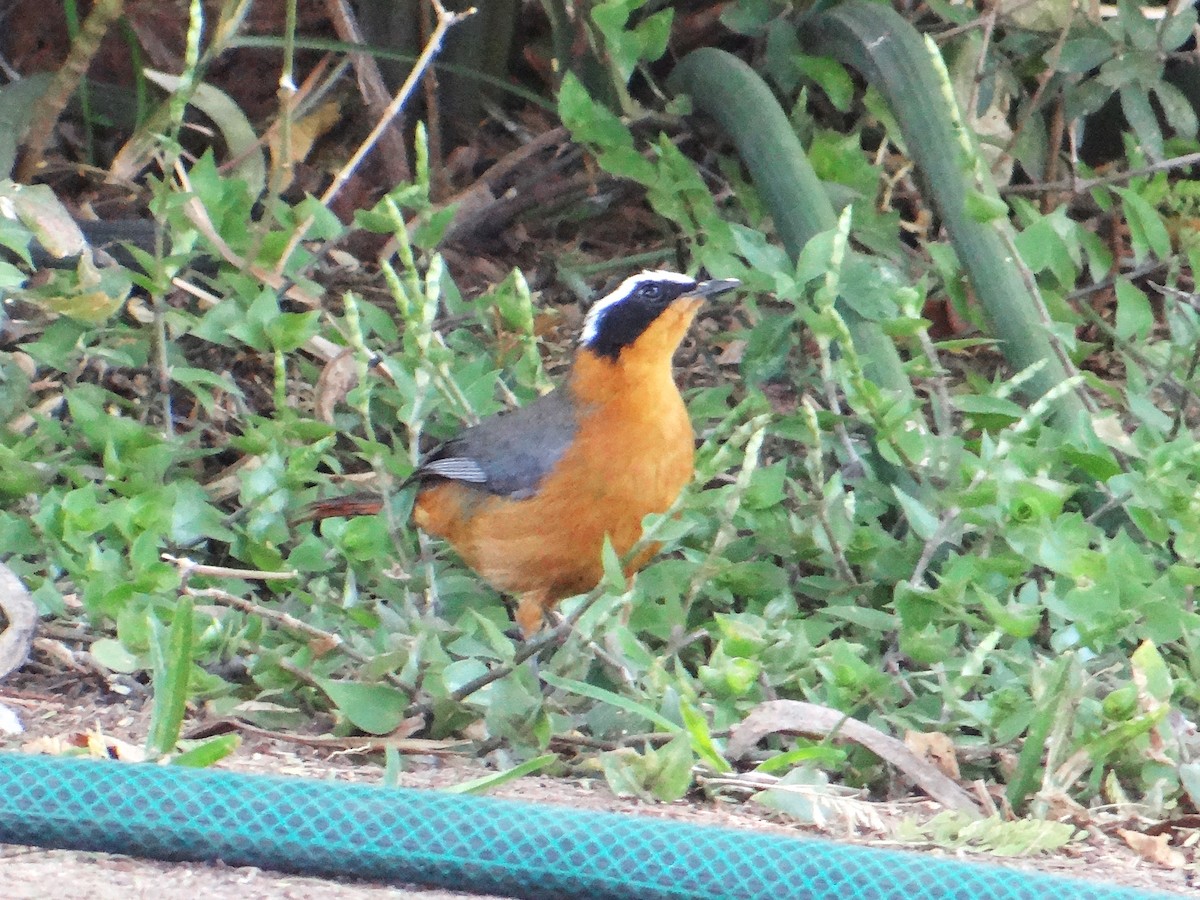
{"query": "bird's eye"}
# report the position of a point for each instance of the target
(650, 291)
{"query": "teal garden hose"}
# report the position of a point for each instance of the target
(465, 843)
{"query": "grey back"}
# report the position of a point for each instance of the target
(511, 453)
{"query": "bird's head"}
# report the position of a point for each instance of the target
(650, 308)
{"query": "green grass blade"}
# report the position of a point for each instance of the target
(485, 783)
(603, 696)
(1027, 774)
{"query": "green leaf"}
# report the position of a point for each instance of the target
(625, 46)
(289, 331)
(758, 579)
(1135, 318)
(485, 783)
(38, 209)
(984, 207)
(1141, 31)
(209, 752)
(831, 76)
(1189, 776)
(674, 771)
(983, 405)
(1029, 761)
(748, 17)
(804, 794)
(1177, 28)
(1015, 619)
(1135, 103)
(16, 238)
(729, 677)
(462, 672)
(702, 742)
(1081, 55)
(1147, 230)
(432, 227)
(1151, 670)
(112, 655)
(591, 691)
(921, 519)
(872, 619)
(1130, 70)
(171, 664)
(19, 103)
(373, 708)
(591, 123)
(823, 756)
(614, 580)
(664, 774)
(1177, 108)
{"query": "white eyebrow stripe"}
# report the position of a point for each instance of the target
(623, 290)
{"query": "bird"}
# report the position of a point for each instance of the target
(526, 497)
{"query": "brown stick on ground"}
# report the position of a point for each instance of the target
(394, 157)
(19, 610)
(811, 720)
(66, 80)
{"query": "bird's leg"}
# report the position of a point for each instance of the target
(531, 612)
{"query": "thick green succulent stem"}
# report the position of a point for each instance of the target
(733, 94)
(893, 57)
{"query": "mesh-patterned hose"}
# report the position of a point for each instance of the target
(465, 843)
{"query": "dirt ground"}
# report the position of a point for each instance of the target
(53, 714)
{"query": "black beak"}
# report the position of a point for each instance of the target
(714, 287)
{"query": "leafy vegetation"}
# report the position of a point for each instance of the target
(998, 546)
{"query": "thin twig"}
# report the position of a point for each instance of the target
(52, 103)
(188, 568)
(1043, 80)
(1058, 125)
(939, 537)
(816, 473)
(325, 639)
(1056, 345)
(445, 20)
(989, 28)
(374, 91)
(529, 649)
(342, 745)
(943, 406)
(1081, 185)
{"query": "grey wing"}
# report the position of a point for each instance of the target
(511, 453)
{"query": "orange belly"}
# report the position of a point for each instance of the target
(547, 547)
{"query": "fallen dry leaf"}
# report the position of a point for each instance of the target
(97, 744)
(1157, 850)
(935, 747)
(733, 353)
(337, 379)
